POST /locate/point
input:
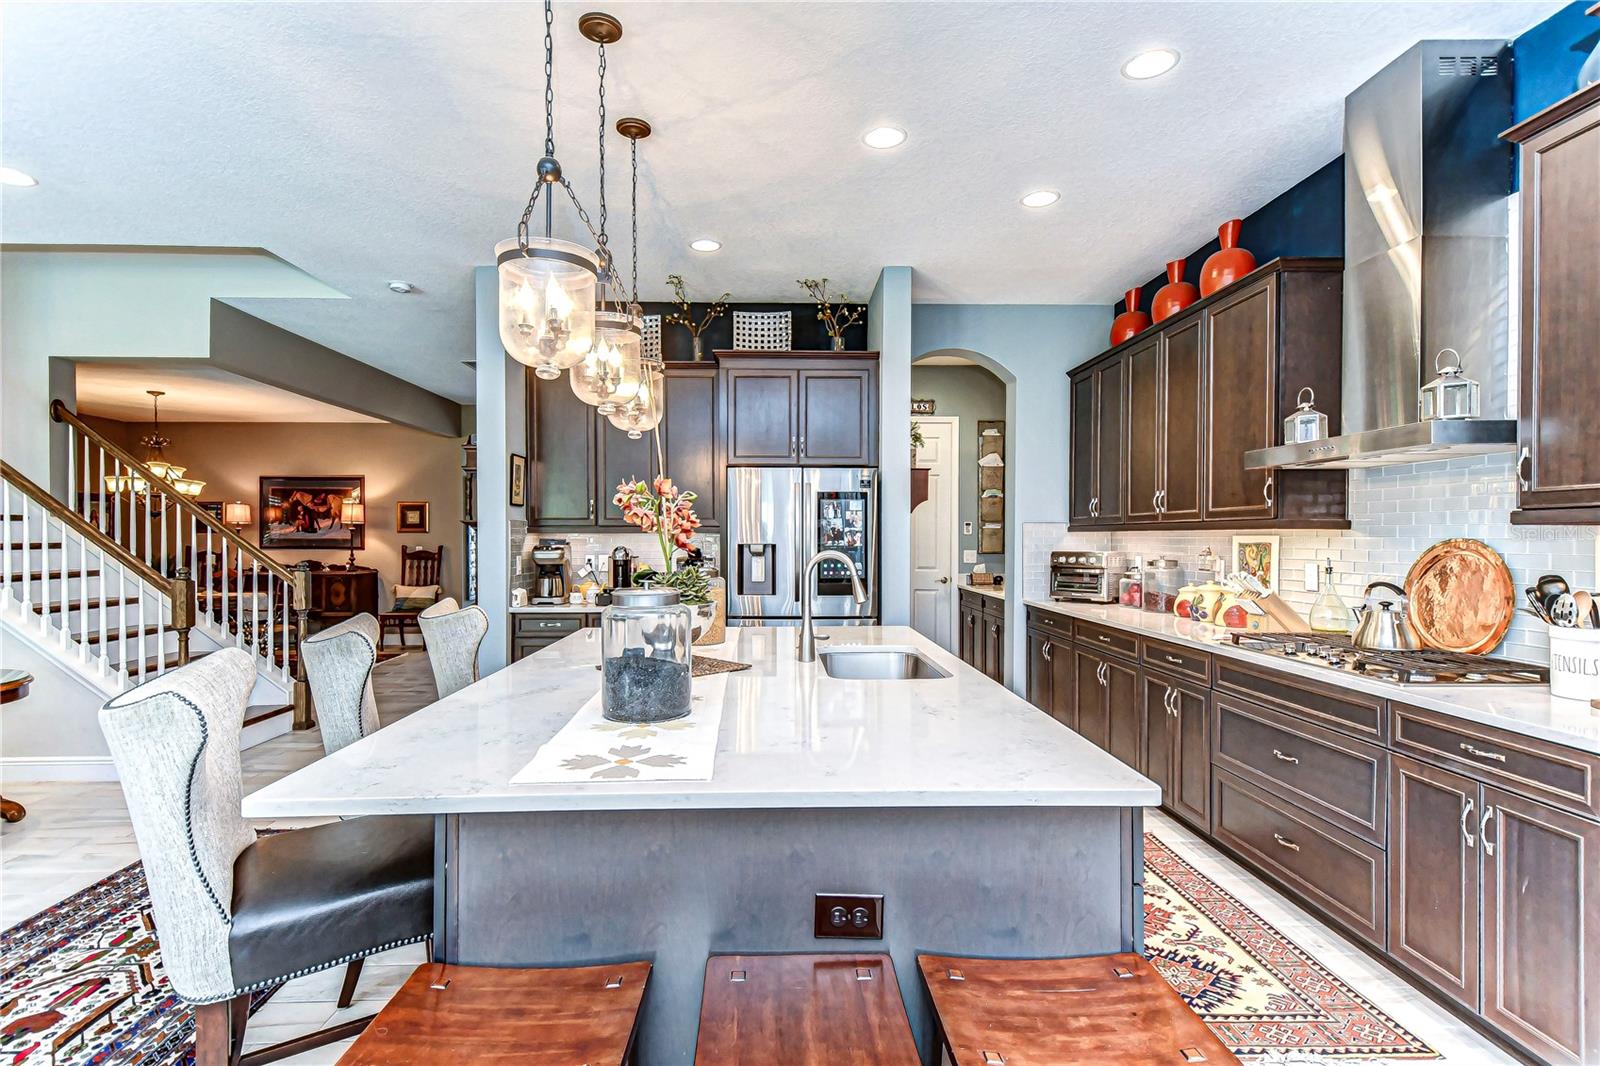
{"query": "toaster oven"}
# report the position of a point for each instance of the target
(1085, 576)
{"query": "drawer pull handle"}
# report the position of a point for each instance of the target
(1173, 659)
(1495, 755)
(1276, 754)
(1102, 638)
(1291, 845)
(1466, 812)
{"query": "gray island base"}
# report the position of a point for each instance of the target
(988, 827)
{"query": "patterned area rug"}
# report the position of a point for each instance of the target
(81, 984)
(1260, 993)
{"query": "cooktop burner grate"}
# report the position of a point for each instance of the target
(1427, 666)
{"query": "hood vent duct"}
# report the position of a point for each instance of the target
(1426, 180)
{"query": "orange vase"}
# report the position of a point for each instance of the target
(1227, 265)
(1175, 295)
(1130, 321)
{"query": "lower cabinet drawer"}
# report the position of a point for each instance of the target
(1327, 773)
(545, 625)
(1334, 871)
(1113, 640)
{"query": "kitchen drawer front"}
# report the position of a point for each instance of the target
(1343, 709)
(1057, 625)
(1337, 872)
(1195, 665)
(1563, 777)
(1327, 773)
(546, 625)
(1112, 640)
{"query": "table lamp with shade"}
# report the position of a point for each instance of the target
(352, 513)
(236, 514)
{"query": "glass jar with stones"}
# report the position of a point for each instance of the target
(645, 638)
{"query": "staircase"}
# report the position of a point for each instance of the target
(131, 579)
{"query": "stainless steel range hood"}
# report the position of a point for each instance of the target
(1426, 178)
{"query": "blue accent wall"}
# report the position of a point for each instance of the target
(1548, 57)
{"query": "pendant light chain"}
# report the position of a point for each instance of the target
(549, 80)
(634, 262)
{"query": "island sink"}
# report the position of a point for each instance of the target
(879, 664)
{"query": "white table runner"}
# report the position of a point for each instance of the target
(592, 748)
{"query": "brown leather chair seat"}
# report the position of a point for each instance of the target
(323, 895)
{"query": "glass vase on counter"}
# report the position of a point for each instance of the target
(1162, 580)
(1130, 589)
(645, 655)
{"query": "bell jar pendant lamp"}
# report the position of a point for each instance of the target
(643, 412)
(547, 285)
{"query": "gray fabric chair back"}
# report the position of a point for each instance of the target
(339, 662)
(175, 744)
(452, 634)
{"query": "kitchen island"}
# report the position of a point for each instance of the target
(987, 827)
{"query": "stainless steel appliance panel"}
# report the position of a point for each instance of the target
(762, 534)
(840, 511)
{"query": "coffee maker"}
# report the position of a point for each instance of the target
(549, 575)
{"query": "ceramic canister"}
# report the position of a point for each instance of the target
(1575, 663)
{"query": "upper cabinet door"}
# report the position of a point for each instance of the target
(1081, 460)
(689, 437)
(1144, 431)
(1110, 402)
(838, 417)
(1560, 464)
(1241, 368)
(1182, 423)
(561, 460)
(619, 458)
(762, 408)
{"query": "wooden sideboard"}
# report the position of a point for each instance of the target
(337, 594)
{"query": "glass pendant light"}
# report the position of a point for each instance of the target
(547, 285)
(643, 413)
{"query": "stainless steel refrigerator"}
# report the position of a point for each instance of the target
(777, 519)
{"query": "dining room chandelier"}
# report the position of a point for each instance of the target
(547, 285)
(171, 475)
(643, 412)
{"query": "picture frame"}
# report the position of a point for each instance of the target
(519, 480)
(211, 507)
(297, 513)
(411, 516)
(1259, 555)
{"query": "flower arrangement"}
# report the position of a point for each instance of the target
(684, 315)
(834, 318)
(660, 507)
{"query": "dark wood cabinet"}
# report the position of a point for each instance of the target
(532, 631)
(982, 637)
(971, 640)
(799, 408)
(1559, 462)
(1434, 876)
(1088, 696)
(1177, 746)
(337, 594)
(1124, 712)
(1039, 687)
(1161, 423)
(576, 457)
(994, 646)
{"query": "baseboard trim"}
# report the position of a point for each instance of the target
(20, 768)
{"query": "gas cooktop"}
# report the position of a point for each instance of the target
(1428, 667)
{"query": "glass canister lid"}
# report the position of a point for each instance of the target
(647, 596)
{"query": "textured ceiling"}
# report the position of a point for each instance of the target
(365, 142)
(194, 394)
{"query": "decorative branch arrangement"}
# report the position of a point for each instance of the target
(835, 318)
(684, 315)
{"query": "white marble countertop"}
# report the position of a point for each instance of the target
(558, 608)
(989, 591)
(1528, 710)
(791, 737)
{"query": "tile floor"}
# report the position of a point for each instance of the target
(76, 834)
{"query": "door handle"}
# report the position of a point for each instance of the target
(1291, 845)
(1276, 754)
(1522, 465)
(1466, 812)
(1483, 831)
(802, 444)
(944, 581)
(1172, 702)
(591, 508)
(1266, 491)
(1105, 675)
(1155, 502)
(1045, 651)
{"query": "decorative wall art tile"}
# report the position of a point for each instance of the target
(763, 331)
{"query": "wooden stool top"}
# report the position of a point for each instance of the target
(1050, 1012)
(457, 1015)
(803, 1010)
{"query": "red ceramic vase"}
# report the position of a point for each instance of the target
(1175, 295)
(1130, 321)
(1227, 265)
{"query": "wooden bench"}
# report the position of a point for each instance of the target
(803, 1010)
(1096, 1011)
(459, 1015)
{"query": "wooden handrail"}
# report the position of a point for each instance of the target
(84, 527)
(59, 412)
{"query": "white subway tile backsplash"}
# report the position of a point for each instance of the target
(1396, 513)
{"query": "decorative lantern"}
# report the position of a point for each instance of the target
(1305, 423)
(546, 302)
(1452, 394)
(643, 413)
(611, 373)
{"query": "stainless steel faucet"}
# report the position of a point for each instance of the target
(808, 639)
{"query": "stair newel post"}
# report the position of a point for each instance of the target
(182, 596)
(302, 608)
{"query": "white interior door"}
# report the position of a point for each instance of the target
(934, 535)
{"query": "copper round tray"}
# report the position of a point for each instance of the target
(1460, 597)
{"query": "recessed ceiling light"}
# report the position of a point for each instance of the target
(705, 244)
(1041, 198)
(13, 176)
(1150, 64)
(884, 137)
(402, 287)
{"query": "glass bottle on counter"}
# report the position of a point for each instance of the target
(1328, 613)
(1162, 580)
(1130, 590)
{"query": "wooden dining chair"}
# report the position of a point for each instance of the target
(418, 566)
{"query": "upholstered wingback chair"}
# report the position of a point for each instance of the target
(453, 634)
(339, 662)
(236, 914)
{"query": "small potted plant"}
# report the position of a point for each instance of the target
(684, 315)
(835, 318)
(660, 507)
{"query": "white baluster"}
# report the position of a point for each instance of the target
(83, 593)
(229, 615)
(115, 503)
(27, 560)
(122, 613)
(255, 604)
(272, 634)
(7, 540)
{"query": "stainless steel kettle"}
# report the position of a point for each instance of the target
(1381, 620)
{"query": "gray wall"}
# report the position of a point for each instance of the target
(969, 393)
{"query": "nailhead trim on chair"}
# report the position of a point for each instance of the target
(361, 725)
(274, 981)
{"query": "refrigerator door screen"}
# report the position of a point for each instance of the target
(843, 525)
